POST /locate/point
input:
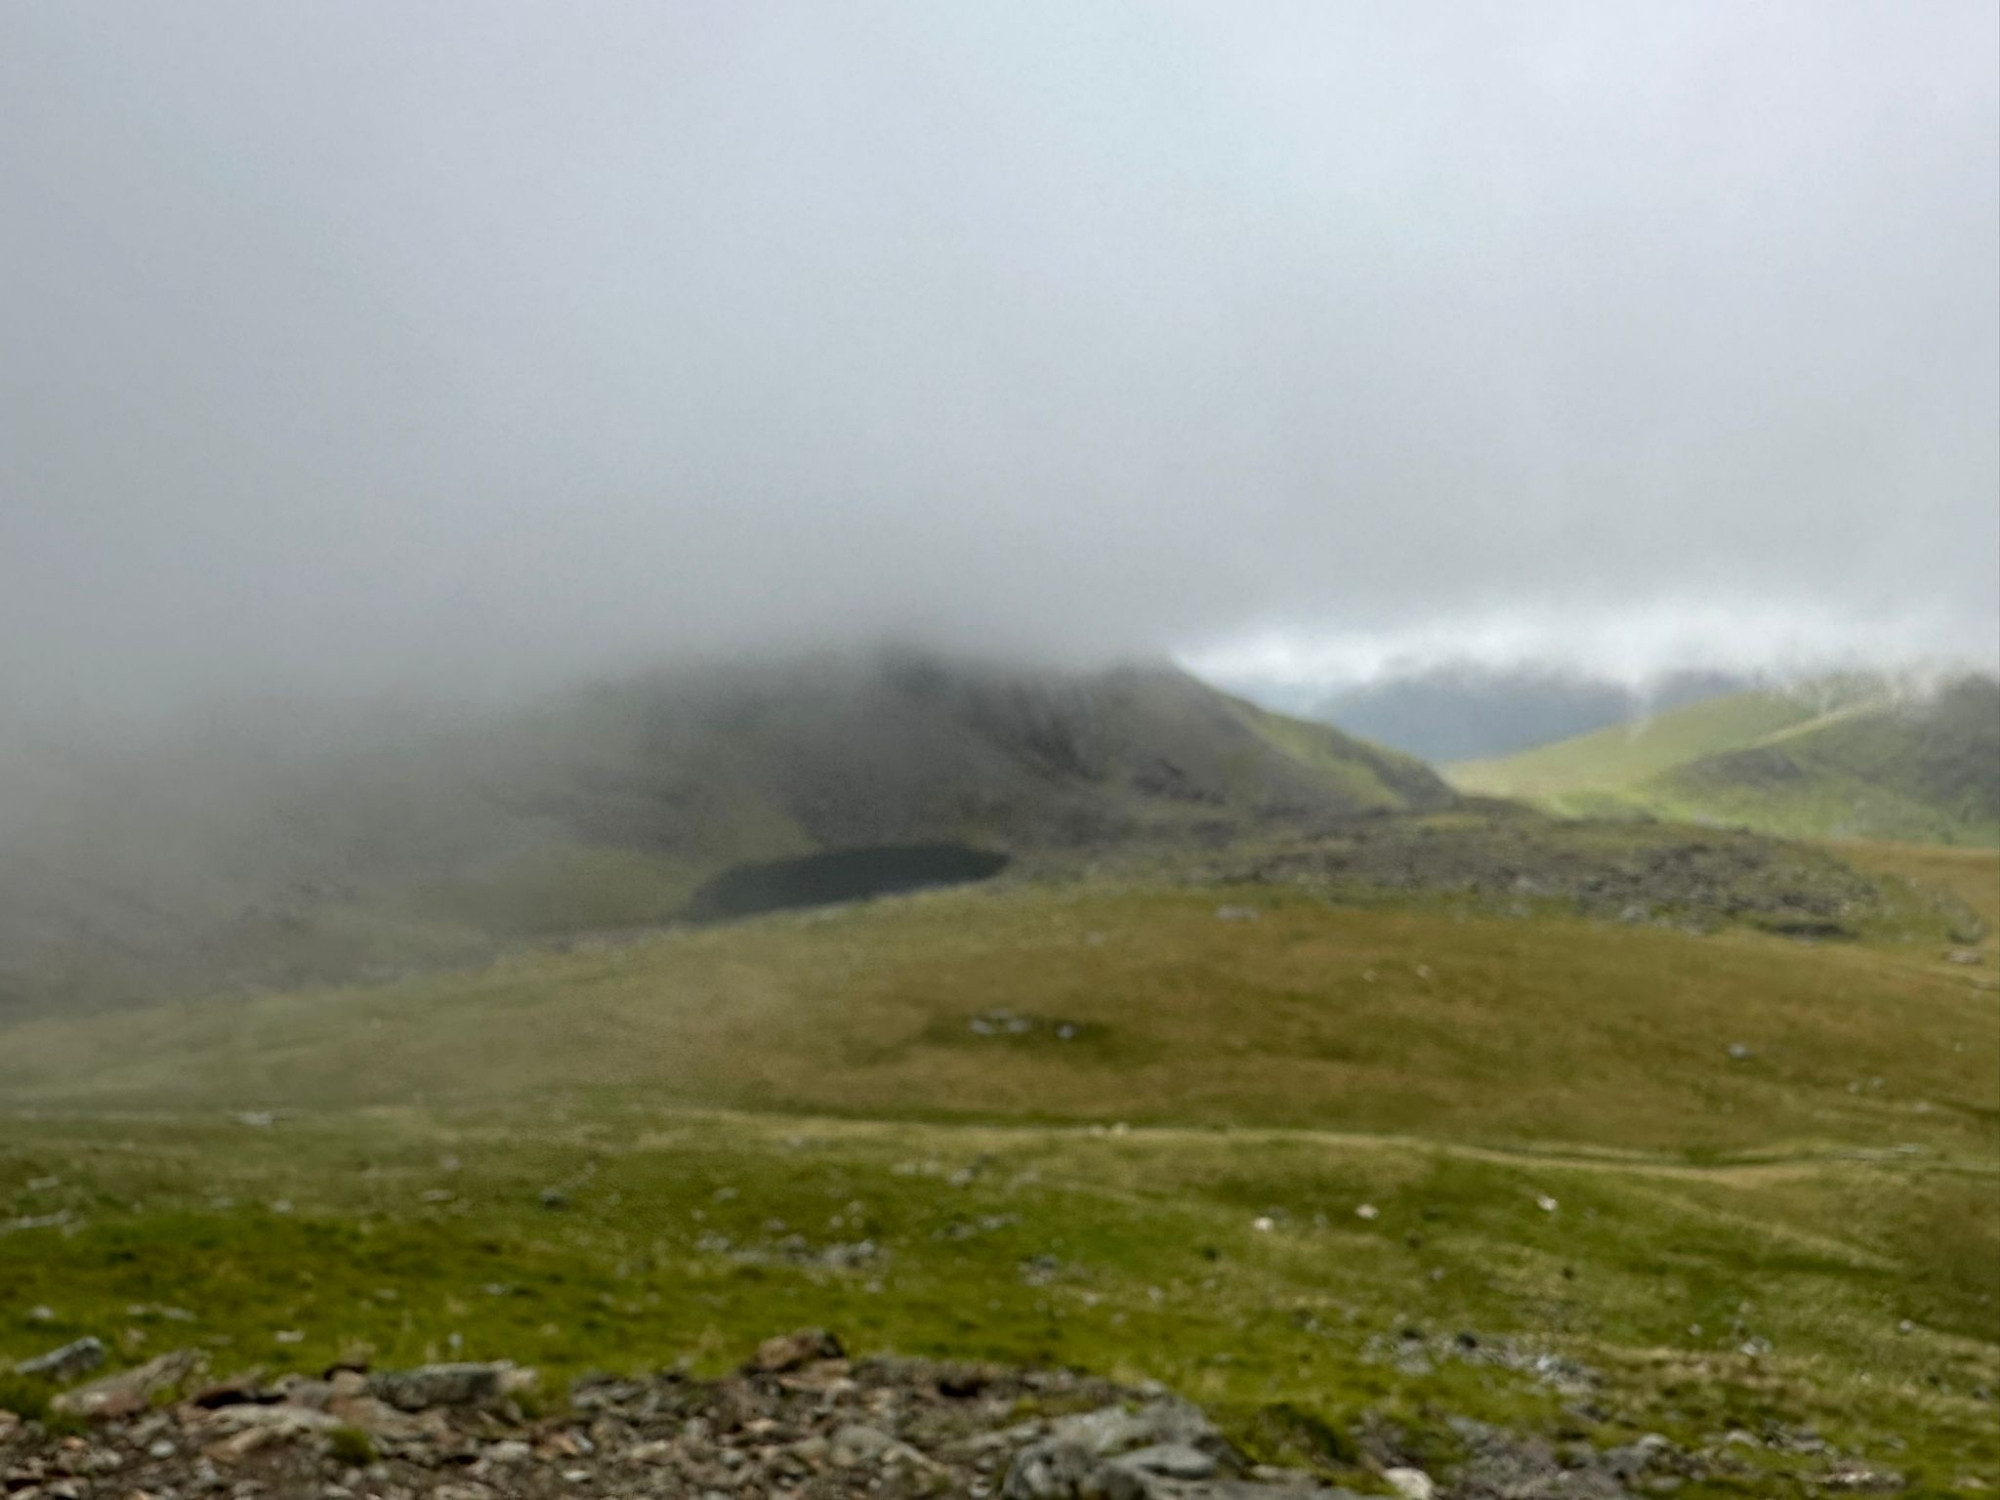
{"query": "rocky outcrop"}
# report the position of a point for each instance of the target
(799, 1421)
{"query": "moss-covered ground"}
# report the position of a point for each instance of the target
(1657, 1180)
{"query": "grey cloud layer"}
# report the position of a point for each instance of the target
(342, 339)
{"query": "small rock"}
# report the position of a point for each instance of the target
(1367, 1211)
(57, 1220)
(1118, 1454)
(1410, 1484)
(1630, 1461)
(66, 1363)
(438, 1385)
(855, 1445)
(1858, 1479)
(1545, 1203)
(1237, 914)
(1740, 1052)
(129, 1392)
(791, 1351)
(277, 1422)
(1113, 1429)
(1170, 1461)
(1048, 1471)
(1963, 956)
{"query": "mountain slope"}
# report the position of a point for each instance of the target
(987, 1121)
(846, 753)
(246, 858)
(1846, 758)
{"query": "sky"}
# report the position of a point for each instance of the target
(352, 344)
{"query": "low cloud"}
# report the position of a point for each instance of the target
(350, 346)
(1634, 646)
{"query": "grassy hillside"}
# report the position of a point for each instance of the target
(1589, 1129)
(1624, 756)
(1970, 876)
(1616, 1178)
(257, 856)
(1847, 759)
(1295, 1013)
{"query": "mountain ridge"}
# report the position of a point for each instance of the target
(608, 806)
(1845, 757)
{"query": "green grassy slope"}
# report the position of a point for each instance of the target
(1625, 755)
(1968, 876)
(1419, 1017)
(1847, 759)
(1562, 1157)
(420, 1234)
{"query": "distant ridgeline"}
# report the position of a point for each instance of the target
(1468, 712)
(226, 863)
(1842, 758)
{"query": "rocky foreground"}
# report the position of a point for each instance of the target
(799, 1421)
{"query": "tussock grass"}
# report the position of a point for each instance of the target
(1417, 1019)
(404, 1235)
(1561, 1157)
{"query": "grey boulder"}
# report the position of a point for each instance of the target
(66, 1363)
(1165, 1450)
(438, 1385)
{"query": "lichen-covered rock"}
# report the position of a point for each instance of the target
(792, 1351)
(128, 1392)
(70, 1362)
(439, 1385)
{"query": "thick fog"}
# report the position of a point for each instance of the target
(351, 344)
